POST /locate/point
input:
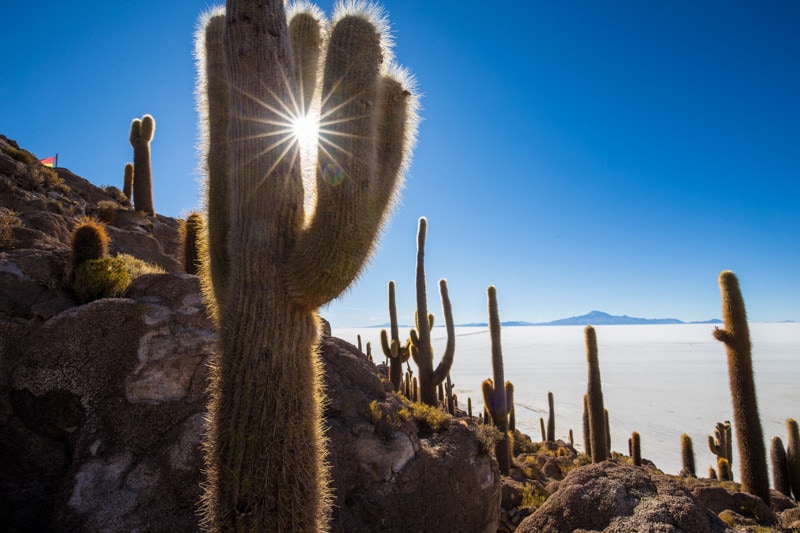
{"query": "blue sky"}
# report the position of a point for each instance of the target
(578, 155)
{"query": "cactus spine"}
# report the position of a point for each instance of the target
(551, 418)
(127, 182)
(264, 446)
(597, 415)
(141, 134)
(793, 456)
(780, 467)
(397, 354)
(494, 392)
(421, 348)
(687, 456)
(749, 437)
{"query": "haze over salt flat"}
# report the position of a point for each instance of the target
(659, 380)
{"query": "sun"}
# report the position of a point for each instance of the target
(305, 129)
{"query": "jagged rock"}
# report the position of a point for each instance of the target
(615, 497)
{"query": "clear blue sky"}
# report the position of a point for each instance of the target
(578, 155)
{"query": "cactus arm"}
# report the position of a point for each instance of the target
(356, 174)
(443, 368)
(305, 32)
(212, 93)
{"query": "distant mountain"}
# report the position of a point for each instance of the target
(596, 318)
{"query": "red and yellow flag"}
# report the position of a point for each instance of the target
(48, 161)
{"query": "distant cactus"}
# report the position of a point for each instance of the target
(360, 348)
(551, 418)
(571, 438)
(597, 415)
(636, 449)
(687, 456)
(142, 131)
(189, 233)
(793, 456)
(543, 429)
(749, 436)
(127, 182)
(721, 444)
(89, 241)
(712, 474)
(392, 349)
(264, 445)
(450, 396)
(780, 467)
(494, 390)
(421, 348)
(469, 407)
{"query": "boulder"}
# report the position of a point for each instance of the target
(618, 497)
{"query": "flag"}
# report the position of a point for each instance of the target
(48, 161)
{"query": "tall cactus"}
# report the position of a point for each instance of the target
(142, 131)
(636, 449)
(264, 446)
(594, 392)
(494, 391)
(392, 349)
(421, 348)
(749, 437)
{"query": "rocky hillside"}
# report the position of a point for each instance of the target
(102, 408)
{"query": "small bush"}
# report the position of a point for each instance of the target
(532, 496)
(116, 194)
(100, 278)
(107, 211)
(431, 417)
(136, 267)
(8, 219)
(23, 156)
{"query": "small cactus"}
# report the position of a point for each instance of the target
(551, 418)
(720, 444)
(793, 456)
(636, 449)
(598, 420)
(587, 434)
(189, 233)
(392, 349)
(687, 456)
(127, 182)
(142, 131)
(780, 467)
(724, 468)
(749, 436)
(89, 241)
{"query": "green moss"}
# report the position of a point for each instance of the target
(136, 267)
(533, 496)
(488, 437)
(431, 417)
(101, 278)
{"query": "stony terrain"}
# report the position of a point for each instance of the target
(102, 409)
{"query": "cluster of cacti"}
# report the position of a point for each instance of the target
(142, 130)
(421, 347)
(749, 436)
(687, 456)
(127, 182)
(271, 267)
(396, 353)
(189, 233)
(496, 392)
(721, 444)
(597, 415)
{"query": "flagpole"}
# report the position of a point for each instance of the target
(56, 165)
